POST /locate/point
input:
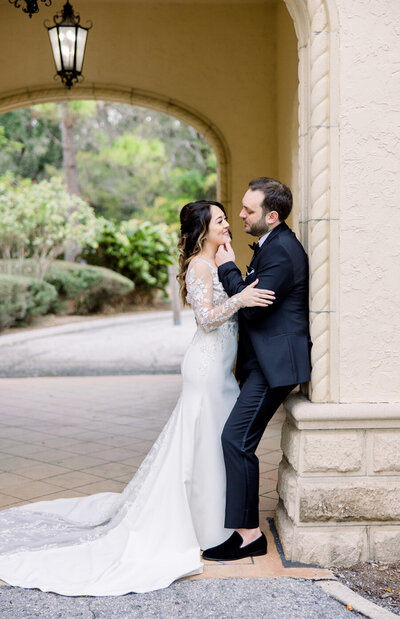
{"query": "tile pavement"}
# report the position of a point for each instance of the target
(73, 436)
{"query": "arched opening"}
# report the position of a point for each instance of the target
(316, 188)
(148, 100)
(164, 196)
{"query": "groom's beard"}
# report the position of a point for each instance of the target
(259, 228)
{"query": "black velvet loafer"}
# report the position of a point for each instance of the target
(231, 550)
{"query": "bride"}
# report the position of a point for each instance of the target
(151, 534)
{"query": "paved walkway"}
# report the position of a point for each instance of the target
(143, 343)
(67, 436)
(72, 436)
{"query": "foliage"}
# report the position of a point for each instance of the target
(30, 140)
(39, 219)
(131, 161)
(87, 288)
(125, 176)
(139, 250)
(77, 288)
(23, 297)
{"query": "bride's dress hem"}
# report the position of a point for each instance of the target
(124, 591)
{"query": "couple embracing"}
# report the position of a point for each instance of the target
(197, 489)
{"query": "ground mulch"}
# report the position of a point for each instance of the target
(377, 582)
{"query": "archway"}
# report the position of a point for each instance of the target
(132, 96)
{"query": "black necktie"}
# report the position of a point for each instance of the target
(255, 247)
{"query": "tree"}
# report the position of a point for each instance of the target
(30, 141)
(39, 219)
(130, 161)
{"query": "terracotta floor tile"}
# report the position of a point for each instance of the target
(6, 500)
(109, 470)
(8, 442)
(134, 461)
(268, 503)
(106, 485)
(93, 436)
(14, 463)
(40, 471)
(247, 561)
(8, 431)
(272, 457)
(270, 473)
(144, 446)
(11, 479)
(84, 448)
(32, 490)
(126, 478)
(79, 461)
(272, 432)
(61, 442)
(24, 450)
(266, 513)
(115, 454)
(266, 467)
(34, 436)
(73, 479)
(267, 485)
(62, 494)
(117, 441)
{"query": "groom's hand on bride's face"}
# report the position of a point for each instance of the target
(224, 254)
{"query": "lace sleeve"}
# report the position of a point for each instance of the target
(199, 284)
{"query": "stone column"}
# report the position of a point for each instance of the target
(339, 480)
(339, 483)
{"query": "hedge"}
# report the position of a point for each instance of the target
(86, 288)
(23, 297)
(75, 289)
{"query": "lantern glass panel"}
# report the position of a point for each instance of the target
(80, 47)
(55, 47)
(67, 44)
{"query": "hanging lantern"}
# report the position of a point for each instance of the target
(68, 41)
(31, 7)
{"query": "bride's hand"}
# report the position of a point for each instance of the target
(256, 297)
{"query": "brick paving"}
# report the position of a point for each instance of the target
(73, 436)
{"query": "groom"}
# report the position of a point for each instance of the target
(273, 354)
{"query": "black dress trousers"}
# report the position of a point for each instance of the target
(242, 433)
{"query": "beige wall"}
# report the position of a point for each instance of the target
(287, 103)
(219, 58)
(369, 202)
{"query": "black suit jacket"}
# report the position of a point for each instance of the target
(275, 338)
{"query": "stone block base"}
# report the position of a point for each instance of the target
(327, 546)
(339, 483)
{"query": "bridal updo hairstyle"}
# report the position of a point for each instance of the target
(195, 218)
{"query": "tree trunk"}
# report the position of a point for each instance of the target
(70, 169)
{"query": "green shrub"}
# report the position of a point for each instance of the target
(23, 297)
(39, 220)
(86, 288)
(139, 250)
(80, 288)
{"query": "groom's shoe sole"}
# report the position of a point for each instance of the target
(258, 553)
(231, 549)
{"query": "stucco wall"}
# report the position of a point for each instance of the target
(287, 103)
(369, 200)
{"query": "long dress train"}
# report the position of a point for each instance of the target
(151, 534)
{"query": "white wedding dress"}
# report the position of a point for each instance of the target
(151, 534)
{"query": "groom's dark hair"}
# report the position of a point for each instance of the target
(277, 197)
